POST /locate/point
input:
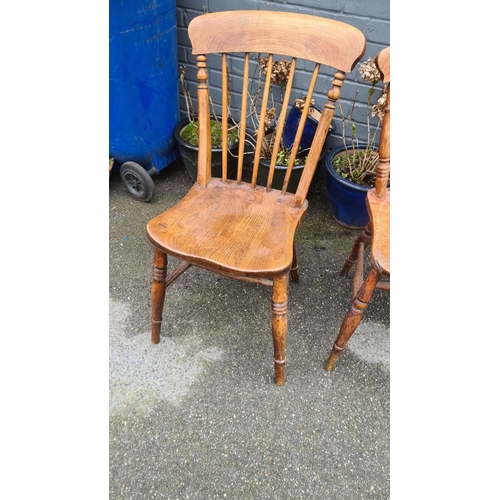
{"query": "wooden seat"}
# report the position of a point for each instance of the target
(236, 227)
(212, 226)
(376, 233)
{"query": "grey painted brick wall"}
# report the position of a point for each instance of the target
(371, 17)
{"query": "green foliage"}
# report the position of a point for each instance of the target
(283, 158)
(190, 134)
(357, 165)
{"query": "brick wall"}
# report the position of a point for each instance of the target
(372, 18)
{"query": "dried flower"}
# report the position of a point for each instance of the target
(378, 109)
(300, 102)
(270, 117)
(369, 72)
(280, 70)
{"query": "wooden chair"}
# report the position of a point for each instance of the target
(376, 233)
(233, 227)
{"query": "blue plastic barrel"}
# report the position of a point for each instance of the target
(143, 82)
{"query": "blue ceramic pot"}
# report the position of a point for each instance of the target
(347, 200)
(291, 125)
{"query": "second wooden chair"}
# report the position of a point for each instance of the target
(376, 233)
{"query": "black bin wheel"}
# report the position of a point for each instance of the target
(137, 180)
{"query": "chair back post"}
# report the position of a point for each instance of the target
(382, 61)
(319, 138)
(205, 138)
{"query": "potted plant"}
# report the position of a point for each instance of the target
(283, 159)
(279, 77)
(350, 169)
(186, 136)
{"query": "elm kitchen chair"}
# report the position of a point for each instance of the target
(376, 233)
(233, 227)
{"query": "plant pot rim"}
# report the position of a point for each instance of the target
(177, 134)
(338, 177)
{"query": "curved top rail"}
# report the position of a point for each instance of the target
(317, 39)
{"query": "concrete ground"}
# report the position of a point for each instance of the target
(199, 416)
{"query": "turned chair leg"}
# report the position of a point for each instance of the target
(294, 271)
(365, 237)
(158, 293)
(353, 317)
(279, 306)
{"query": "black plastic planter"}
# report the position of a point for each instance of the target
(189, 155)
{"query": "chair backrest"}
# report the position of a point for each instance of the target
(252, 34)
(383, 63)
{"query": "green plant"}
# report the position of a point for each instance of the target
(358, 166)
(359, 161)
(283, 158)
(190, 132)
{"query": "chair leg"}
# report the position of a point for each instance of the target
(279, 306)
(295, 266)
(365, 237)
(353, 317)
(158, 293)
